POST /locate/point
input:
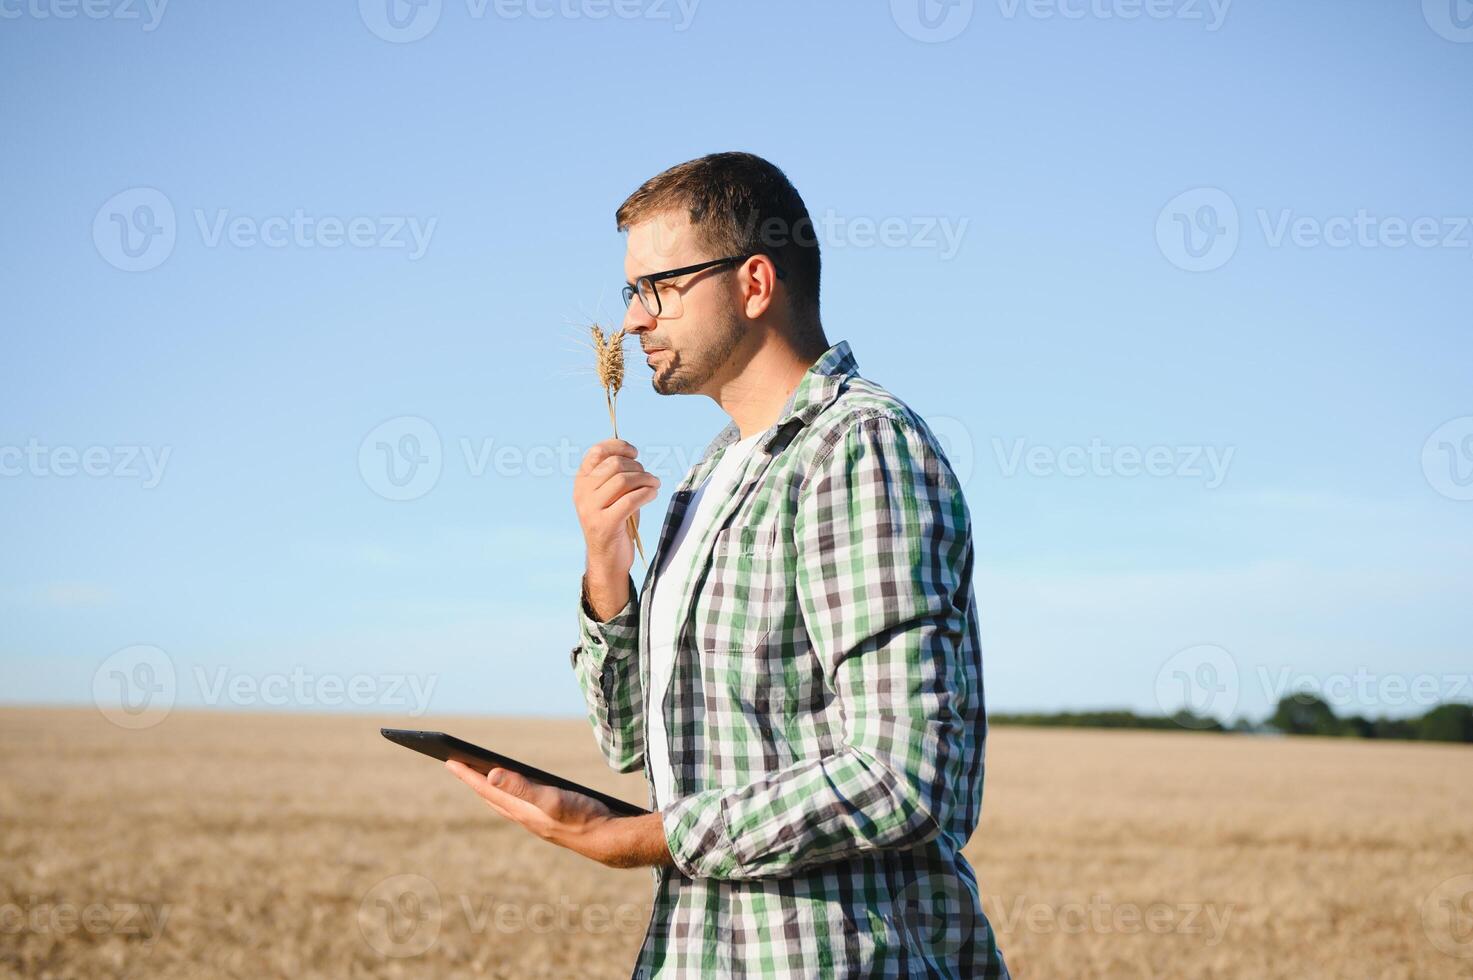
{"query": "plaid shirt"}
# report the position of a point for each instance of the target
(824, 710)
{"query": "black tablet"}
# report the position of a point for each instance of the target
(440, 746)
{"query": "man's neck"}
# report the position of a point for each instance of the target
(756, 397)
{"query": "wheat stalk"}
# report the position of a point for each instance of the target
(609, 361)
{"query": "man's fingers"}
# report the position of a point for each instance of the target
(622, 484)
(603, 450)
(511, 783)
(630, 503)
(611, 467)
(510, 794)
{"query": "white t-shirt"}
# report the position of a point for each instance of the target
(676, 569)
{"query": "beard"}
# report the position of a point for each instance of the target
(690, 370)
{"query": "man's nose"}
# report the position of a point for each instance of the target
(637, 319)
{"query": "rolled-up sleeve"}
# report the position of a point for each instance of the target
(606, 663)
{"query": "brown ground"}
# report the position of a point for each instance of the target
(290, 845)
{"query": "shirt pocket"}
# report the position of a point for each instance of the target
(761, 679)
(744, 594)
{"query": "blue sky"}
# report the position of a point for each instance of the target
(1231, 240)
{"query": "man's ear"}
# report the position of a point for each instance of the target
(757, 279)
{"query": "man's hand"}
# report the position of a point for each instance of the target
(570, 820)
(609, 488)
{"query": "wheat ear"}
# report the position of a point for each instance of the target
(610, 364)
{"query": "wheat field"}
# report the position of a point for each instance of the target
(266, 845)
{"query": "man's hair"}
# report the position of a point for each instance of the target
(739, 204)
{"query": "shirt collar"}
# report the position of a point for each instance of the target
(816, 390)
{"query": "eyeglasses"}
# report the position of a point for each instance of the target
(649, 296)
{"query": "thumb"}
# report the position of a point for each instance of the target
(508, 782)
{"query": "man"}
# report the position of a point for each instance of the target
(800, 676)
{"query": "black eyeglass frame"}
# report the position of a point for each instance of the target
(632, 289)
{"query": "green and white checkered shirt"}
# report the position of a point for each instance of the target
(824, 710)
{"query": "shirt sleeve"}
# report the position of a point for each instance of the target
(606, 663)
(884, 582)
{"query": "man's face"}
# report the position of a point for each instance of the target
(690, 345)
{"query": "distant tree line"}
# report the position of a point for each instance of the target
(1295, 714)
